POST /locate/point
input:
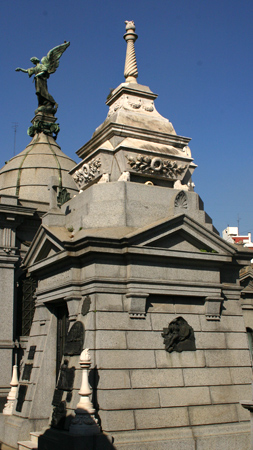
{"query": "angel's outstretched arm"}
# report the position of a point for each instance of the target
(18, 69)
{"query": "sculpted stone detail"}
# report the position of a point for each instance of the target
(181, 200)
(179, 336)
(135, 105)
(87, 172)
(131, 104)
(148, 107)
(156, 165)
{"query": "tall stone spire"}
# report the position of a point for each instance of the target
(131, 71)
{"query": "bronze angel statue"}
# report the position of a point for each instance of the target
(42, 72)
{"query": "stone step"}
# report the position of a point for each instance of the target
(27, 445)
(35, 436)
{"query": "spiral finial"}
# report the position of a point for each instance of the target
(131, 71)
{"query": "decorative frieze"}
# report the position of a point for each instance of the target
(156, 166)
(87, 172)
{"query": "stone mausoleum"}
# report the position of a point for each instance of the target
(131, 268)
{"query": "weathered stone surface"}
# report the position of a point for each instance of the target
(125, 359)
(159, 321)
(227, 323)
(230, 394)
(184, 396)
(117, 420)
(231, 308)
(210, 340)
(161, 418)
(243, 414)
(114, 379)
(237, 340)
(120, 321)
(226, 358)
(241, 375)
(111, 339)
(175, 444)
(160, 307)
(184, 359)
(128, 399)
(149, 378)
(207, 376)
(230, 441)
(189, 308)
(144, 340)
(109, 302)
(213, 414)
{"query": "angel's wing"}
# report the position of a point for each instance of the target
(51, 61)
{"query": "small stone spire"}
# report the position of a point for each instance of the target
(131, 71)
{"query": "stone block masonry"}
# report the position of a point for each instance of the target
(141, 386)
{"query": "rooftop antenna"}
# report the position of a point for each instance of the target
(15, 126)
(238, 221)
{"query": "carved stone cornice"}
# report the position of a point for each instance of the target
(124, 131)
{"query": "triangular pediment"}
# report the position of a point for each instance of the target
(182, 241)
(184, 234)
(44, 245)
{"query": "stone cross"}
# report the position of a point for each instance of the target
(52, 187)
(131, 71)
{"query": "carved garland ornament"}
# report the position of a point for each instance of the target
(156, 165)
(87, 172)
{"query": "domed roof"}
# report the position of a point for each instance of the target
(28, 174)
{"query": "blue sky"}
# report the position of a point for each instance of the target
(196, 55)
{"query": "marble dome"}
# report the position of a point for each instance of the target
(27, 174)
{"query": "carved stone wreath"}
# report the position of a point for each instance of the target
(156, 165)
(87, 172)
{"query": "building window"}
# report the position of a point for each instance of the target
(28, 305)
